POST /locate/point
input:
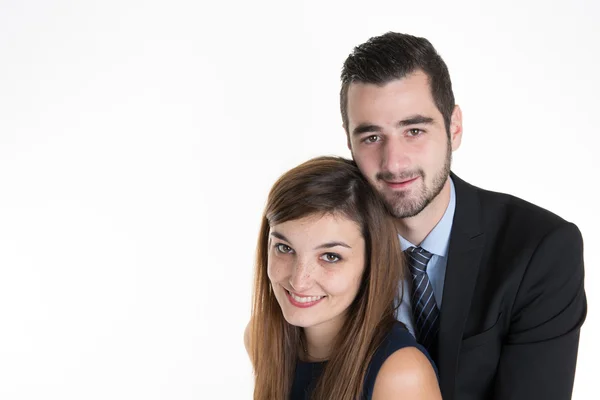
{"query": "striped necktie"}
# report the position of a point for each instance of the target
(425, 311)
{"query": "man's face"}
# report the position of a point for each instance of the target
(398, 140)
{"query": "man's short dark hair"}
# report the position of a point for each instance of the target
(392, 56)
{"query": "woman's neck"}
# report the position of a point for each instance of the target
(320, 340)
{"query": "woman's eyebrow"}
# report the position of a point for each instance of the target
(279, 236)
(329, 245)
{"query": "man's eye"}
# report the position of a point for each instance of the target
(371, 139)
(331, 257)
(283, 248)
(414, 132)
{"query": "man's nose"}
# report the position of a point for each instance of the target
(394, 158)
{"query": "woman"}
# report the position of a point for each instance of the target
(326, 283)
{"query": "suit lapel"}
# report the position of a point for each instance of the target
(466, 247)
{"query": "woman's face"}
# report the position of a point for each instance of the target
(315, 265)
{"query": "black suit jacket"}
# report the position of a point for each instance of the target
(513, 300)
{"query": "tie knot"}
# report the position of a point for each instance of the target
(418, 258)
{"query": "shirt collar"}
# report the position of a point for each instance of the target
(438, 240)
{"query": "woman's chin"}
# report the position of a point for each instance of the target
(298, 322)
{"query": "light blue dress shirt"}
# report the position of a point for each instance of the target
(437, 243)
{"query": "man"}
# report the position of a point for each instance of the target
(497, 286)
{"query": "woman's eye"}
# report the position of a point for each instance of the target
(331, 257)
(283, 248)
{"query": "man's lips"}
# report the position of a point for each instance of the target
(400, 184)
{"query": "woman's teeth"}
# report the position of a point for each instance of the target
(305, 299)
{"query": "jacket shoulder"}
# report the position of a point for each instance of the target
(513, 213)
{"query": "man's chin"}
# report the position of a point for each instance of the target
(405, 207)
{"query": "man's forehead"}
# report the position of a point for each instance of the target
(397, 99)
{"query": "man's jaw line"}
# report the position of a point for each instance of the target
(416, 228)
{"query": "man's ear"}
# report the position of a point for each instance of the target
(456, 128)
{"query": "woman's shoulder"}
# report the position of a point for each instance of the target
(406, 373)
(398, 363)
(396, 339)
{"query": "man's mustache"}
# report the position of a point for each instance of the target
(403, 176)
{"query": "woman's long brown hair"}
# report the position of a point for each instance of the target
(326, 185)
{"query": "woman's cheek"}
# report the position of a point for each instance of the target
(276, 270)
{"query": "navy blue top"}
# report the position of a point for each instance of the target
(307, 373)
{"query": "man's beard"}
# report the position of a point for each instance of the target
(401, 204)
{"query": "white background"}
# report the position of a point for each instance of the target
(139, 139)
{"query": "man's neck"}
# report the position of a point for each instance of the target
(415, 229)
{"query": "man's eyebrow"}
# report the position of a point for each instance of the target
(412, 120)
(329, 245)
(416, 119)
(364, 128)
